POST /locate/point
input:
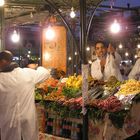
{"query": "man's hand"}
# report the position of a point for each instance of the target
(110, 49)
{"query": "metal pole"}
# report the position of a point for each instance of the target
(83, 30)
(84, 66)
(91, 19)
(2, 31)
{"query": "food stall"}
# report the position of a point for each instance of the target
(113, 108)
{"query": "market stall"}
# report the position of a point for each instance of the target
(113, 108)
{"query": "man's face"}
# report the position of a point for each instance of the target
(100, 50)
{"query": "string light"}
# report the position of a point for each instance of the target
(15, 37)
(115, 27)
(126, 54)
(120, 46)
(138, 46)
(72, 13)
(136, 56)
(88, 48)
(2, 2)
(75, 53)
(69, 58)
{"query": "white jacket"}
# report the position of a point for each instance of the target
(17, 107)
(111, 69)
(135, 72)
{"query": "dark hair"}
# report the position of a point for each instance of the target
(6, 55)
(105, 43)
(32, 62)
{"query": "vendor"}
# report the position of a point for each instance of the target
(107, 62)
(135, 72)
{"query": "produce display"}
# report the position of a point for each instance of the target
(111, 104)
(129, 87)
(67, 92)
(112, 84)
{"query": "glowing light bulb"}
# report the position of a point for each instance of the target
(120, 46)
(75, 53)
(115, 27)
(2, 2)
(15, 37)
(50, 34)
(126, 54)
(69, 58)
(72, 13)
(136, 56)
(88, 48)
(138, 46)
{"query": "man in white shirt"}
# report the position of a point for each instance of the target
(135, 72)
(17, 103)
(106, 64)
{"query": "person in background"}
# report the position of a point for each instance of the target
(135, 72)
(106, 64)
(18, 118)
(32, 64)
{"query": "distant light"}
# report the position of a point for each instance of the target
(29, 52)
(130, 61)
(138, 27)
(75, 53)
(138, 46)
(15, 58)
(126, 54)
(72, 13)
(28, 55)
(69, 58)
(50, 33)
(38, 58)
(89, 61)
(115, 27)
(2, 2)
(15, 37)
(136, 56)
(88, 48)
(120, 46)
(47, 56)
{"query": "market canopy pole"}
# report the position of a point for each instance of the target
(2, 33)
(84, 66)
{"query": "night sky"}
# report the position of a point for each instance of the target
(123, 3)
